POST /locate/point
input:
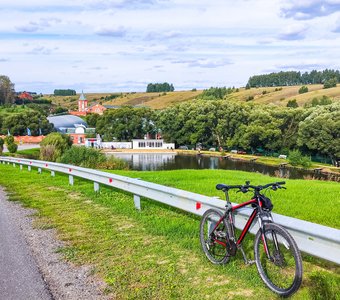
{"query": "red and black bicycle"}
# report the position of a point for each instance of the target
(277, 257)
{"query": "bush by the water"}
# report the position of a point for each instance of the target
(295, 158)
(91, 158)
(83, 157)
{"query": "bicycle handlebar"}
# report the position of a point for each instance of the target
(245, 188)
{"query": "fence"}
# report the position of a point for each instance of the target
(314, 239)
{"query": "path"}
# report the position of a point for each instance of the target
(19, 275)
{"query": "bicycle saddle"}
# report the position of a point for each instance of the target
(222, 186)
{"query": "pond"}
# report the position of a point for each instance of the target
(173, 161)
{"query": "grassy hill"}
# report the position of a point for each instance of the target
(276, 95)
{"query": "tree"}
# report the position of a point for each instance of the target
(159, 87)
(320, 131)
(303, 89)
(330, 83)
(19, 122)
(292, 103)
(67, 92)
(7, 92)
(126, 123)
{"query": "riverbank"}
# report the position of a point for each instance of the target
(265, 160)
(127, 151)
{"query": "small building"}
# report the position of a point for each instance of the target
(72, 125)
(82, 106)
(25, 96)
(151, 144)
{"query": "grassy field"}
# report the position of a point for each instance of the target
(163, 100)
(155, 253)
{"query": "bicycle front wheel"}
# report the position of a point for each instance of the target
(214, 237)
(278, 262)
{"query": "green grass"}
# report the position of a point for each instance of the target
(310, 200)
(152, 254)
(28, 153)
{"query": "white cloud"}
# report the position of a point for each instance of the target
(114, 45)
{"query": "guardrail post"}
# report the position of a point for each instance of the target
(13, 165)
(96, 186)
(8, 162)
(52, 173)
(20, 167)
(136, 200)
(39, 170)
(70, 179)
(29, 168)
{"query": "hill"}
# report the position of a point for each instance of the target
(264, 95)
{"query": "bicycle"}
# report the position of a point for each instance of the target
(277, 257)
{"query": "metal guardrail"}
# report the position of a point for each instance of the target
(314, 239)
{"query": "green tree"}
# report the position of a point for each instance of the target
(7, 92)
(292, 103)
(296, 158)
(19, 122)
(126, 123)
(320, 131)
(303, 89)
(330, 83)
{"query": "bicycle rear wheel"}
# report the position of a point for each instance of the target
(214, 236)
(282, 271)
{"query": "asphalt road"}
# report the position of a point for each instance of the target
(20, 278)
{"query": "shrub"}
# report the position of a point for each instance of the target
(303, 89)
(9, 140)
(330, 83)
(12, 148)
(264, 92)
(60, 143)
(292, 103)
(83, 157)
(250, 98)
(114, 163)
(49, 153)
(295, 158)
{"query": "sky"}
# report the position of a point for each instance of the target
(122, 45)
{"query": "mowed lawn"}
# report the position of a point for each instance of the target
(155, 253)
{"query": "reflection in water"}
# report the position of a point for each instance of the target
(171, 161)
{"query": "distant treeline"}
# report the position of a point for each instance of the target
(216, 93)
(159, 87)
(67, 92)
(293, 78)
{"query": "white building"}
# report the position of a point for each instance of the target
(151, 144)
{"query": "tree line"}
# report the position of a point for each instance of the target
(159, 87)
(232, 125)
(17, 123)
(294, 78)
(67, 92)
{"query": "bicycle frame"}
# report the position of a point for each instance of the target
(229, 214)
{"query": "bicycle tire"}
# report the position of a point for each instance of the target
(215, 252)
(283, 272)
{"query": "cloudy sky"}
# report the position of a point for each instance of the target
(121, 45)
